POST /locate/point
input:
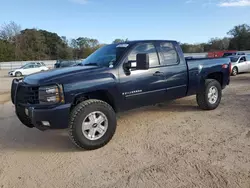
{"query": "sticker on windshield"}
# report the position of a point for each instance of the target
(122, 46)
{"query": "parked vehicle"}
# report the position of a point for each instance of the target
(240, 64)
(225, 53)
(28, 69)
(66, 63)
(116, 78)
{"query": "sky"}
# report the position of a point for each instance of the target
(191, 21)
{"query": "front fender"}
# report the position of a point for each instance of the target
(106, 82)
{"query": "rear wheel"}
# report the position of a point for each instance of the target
(210, 96)
(92, 124)
(234, 71)
(20, 112)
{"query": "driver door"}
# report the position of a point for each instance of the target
(26, 69)
(248, 63)
(243, 65)
(142, 87)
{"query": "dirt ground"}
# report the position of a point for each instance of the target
(168, 145)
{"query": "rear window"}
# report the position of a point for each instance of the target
(169, 55)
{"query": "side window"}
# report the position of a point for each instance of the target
(145, 48)
(243, 59)
(169, 55)
(29, 66)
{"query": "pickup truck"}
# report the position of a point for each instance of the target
(117, 77)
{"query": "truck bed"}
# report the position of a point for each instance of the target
(199, 67)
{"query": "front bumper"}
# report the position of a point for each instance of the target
(11, 73)
(57, 117)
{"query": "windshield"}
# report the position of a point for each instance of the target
(234, 59)
(106, 56)
(25, 66)
(228, 54)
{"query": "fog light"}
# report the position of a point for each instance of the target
(46, 123)
(26, 111)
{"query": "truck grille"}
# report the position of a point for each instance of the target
(27, 94)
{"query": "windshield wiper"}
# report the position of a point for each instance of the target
(91, 64)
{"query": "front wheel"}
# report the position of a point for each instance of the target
(234, 71)
(18, 74)
(92, 124)
(210, 96)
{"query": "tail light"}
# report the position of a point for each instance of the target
(225, 66)
(230, 68)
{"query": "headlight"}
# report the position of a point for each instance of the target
(51, 94)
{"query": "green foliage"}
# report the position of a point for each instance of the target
(240, 37)
(7, 51)
(34, 44)
(119, 41)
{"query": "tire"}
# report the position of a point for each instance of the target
(18, 74)
(80, 113)
(234, 71)
(20, 112)
(202, 97)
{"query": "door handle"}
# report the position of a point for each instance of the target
(157, 73)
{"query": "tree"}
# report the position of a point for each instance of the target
(65, 40)
(218, 44)
(56, 47)
(33, 45)
(240, 37)
(7, 51)
(9, 31)
(83, 46)
(119, 41)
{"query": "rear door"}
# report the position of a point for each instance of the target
(37, 68)
(174, 69)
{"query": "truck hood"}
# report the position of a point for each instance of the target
(60, 75)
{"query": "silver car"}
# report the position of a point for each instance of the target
(240, 64)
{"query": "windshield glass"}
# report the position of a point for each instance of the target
(25, 66)
(106, 56)
(228, 54)
(234, 59)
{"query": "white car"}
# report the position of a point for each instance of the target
(240, 64)
(27, 69)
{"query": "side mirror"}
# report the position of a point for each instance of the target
(142, 61)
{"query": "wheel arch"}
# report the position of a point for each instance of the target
(235, 66)
(216, 76)
(103, 95)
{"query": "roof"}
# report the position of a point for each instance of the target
(138, 41)
(237, 56)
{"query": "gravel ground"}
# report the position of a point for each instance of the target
(168, 145)
(5, 81)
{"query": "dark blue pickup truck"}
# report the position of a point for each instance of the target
(115, 78)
